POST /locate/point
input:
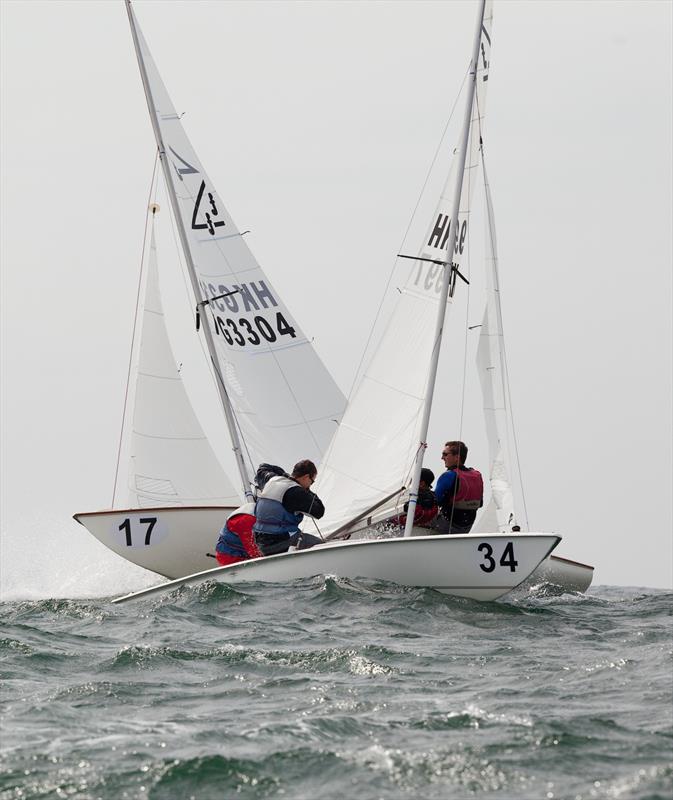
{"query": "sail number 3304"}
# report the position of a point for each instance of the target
(489, 560)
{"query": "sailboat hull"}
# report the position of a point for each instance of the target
(562, 573)
(474, 567)
(173, 541)
(183, 536)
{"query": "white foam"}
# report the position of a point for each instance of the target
(44, 557)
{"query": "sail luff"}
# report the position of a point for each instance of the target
(448, 275)
(184, 241)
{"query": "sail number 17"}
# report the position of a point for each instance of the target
(506, 559)
(125, 527)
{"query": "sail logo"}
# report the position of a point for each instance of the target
(210, 210)
(186, 169)
(210, 203)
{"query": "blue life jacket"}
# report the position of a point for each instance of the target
(230, 544)
(271, 516)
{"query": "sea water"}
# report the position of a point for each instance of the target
(330, 688)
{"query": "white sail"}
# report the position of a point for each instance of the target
(171, 460)
(492, 375)
(286, 404)
(371, 456)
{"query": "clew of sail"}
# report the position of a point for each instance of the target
(285, 402)
(171, 460)
(373, 452)
(492, 374)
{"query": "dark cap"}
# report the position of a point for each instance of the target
(427, 475)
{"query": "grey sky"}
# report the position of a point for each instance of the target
(317, 122)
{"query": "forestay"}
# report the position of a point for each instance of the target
(171, 460)
(372, 453)
(285, 402)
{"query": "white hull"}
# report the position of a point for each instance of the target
(472, 566)
(570, 576)
(180, 539)
(183, 536)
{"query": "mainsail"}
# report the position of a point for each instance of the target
(372, 454)
(171, 460)
(286, 404)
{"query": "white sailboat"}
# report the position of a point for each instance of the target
(277, 397)
(480, 566)
(386, 421)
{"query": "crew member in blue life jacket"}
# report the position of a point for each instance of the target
(237, 540)
(459, 491)
(281, 506)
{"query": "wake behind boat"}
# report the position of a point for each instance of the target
(475, 567)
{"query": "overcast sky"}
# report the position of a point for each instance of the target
(317, 123)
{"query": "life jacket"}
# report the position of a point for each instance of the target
(426, 509)
(468, 495)
(236, 537)
(271, 515)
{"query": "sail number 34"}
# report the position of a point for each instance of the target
(506, 559)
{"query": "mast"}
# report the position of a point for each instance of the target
(448, 275)
(226, 405)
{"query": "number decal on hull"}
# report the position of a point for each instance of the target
(506, 559)
(148, 522)
(487, 550)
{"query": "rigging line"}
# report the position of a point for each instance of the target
(314, 521)
(406, 233)
(204, 353)
(135, 325)
(501, 336)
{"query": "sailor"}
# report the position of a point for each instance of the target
(426, 505)
(281, 506)
(459, 491)
(237, 540)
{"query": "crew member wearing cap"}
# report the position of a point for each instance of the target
(426, 505)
